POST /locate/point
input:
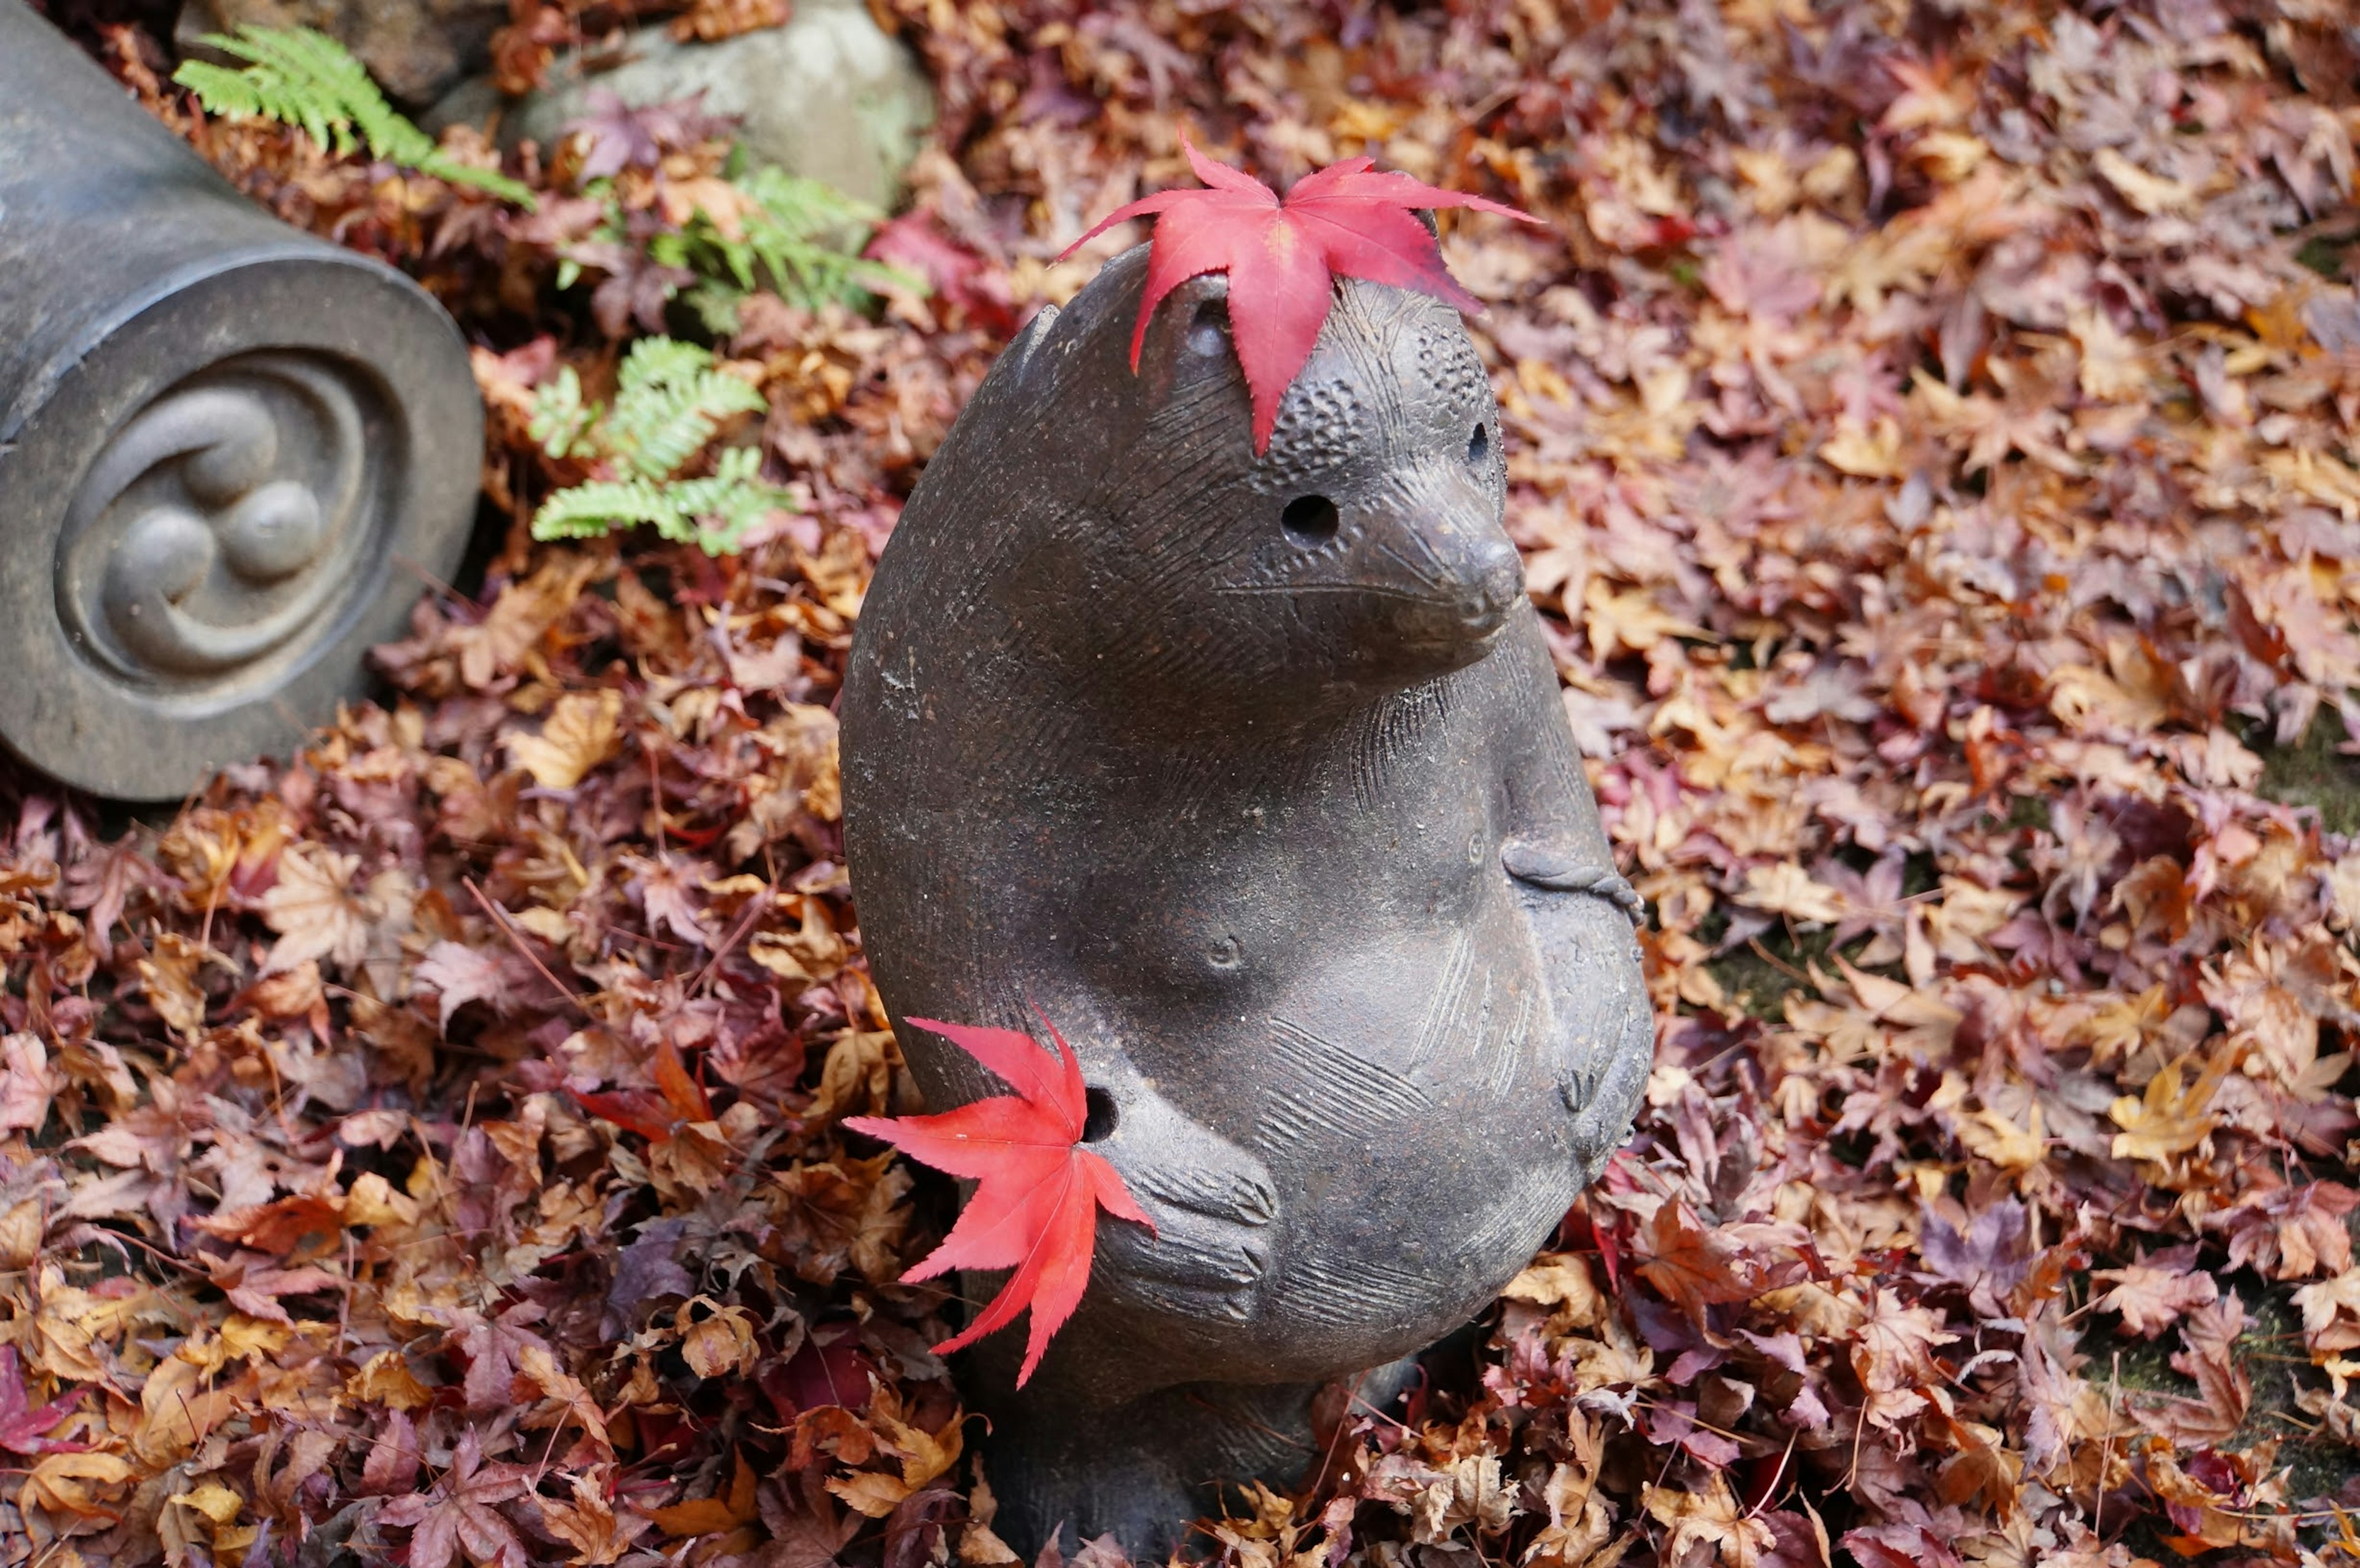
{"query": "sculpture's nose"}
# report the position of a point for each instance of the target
(1473, 563)
(1496, 573)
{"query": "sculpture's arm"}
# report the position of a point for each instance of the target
(1213, 1204)
(1580, 910)
(1601, 1029)
(1565, 865)
(1552, 838)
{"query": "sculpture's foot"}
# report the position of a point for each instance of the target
(1146, 1469)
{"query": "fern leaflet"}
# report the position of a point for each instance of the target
(299, 77)
(800, 237)
(806, 237)
(670, 402)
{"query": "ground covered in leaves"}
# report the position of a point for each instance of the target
(1932, 430)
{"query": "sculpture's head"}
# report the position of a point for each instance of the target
(1362, 551)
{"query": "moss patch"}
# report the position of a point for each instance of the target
(2271, 1352)
(2313, 773)
(1758, 974)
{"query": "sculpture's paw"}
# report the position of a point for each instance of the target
(1563, 868)
(1213, 1204)
(1608, 1043)
(1603, 1093)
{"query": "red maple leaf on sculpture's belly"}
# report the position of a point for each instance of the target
(1283, 257)
(1038, 1191)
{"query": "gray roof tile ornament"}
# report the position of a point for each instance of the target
(231, 455)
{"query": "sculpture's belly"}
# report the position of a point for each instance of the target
(1400, 1217)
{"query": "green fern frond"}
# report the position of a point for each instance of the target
(299, 77)
(561, 421)
(716, 306)
(808, 236)
(712, 513)
(670, 401)
(728, 502)
(662, 362)
(799, 236)
(596, 507)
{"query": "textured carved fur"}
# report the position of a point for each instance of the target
(1275, 809)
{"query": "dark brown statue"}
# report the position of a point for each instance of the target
(1252, 776)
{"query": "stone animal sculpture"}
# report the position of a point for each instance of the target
(1251, 774)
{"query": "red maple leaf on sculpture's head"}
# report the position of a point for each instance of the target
(1283, 257)
(1038, 1192)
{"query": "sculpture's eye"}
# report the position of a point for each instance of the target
(1097, 1122)
(1310, 519)
(1479, 446)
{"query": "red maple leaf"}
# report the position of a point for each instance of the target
(1283, 257)
(1038, 1191)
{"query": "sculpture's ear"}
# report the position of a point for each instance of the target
(1189, 337)
(1015, 372)
(1035, 332)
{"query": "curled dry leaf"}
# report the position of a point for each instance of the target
(583, 730)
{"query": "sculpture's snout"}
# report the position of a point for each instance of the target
(1462, 571)
(1494, 575)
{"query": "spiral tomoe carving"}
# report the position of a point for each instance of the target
(225, 520)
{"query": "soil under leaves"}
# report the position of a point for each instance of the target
(1931, 429)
